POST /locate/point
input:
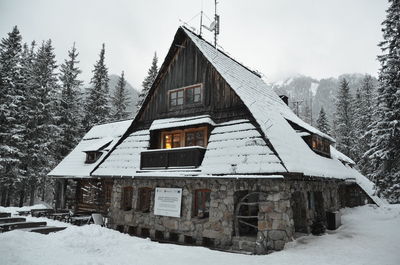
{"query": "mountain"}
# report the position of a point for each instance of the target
(307, 95)
(133, 94)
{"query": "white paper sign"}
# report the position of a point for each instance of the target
(167, 202)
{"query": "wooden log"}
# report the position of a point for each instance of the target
(247, 216)
(47, 229)
(3, 215)
(12, 220)
(12, 226)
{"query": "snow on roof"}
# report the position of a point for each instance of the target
(180, 122)
(73, 165)
(98, 144)
(265, 104)
(340, 156)
(125, 159)
(239, 149)
(234, 149)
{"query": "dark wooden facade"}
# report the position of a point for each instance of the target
(169, 158)
(93, 195)
(188, 66)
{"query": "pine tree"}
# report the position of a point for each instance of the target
(120, 99)
(363, 107)
(344, 119)
(148, 81)
(42, 130)
(384, 153)
(322, 122)
(11, 99)
(70, 117)
(97, 109)
(27, 60)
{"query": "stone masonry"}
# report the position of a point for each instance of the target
(275, 215)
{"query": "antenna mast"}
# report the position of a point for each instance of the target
(201, 18)
(214, 26)
(216, 19)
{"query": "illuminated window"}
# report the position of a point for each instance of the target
(202, 203)
(172, 140)
(186, 137)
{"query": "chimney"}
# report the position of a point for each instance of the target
(285, 99)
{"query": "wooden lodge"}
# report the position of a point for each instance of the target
(213, 157)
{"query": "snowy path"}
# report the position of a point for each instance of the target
(369, 235)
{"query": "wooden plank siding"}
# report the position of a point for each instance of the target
(187, 67)
(91, 195)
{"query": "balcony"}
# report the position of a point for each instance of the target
(184, 157)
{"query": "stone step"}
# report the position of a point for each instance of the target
(244, 244)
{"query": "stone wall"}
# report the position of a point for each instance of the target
(275, 215)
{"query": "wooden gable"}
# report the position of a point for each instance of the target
(185, 66)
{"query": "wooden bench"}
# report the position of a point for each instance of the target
(80, 220)
(44, 229)
(41, 212)
(59, 216)
(24, 213)
(12, 220)
(11, 226)
(3, 215)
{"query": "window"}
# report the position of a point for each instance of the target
(311, 200)
(202, 203)
(194, 138)
(176, 97)
(144, 199)
(126, 198)
(185, 96)
(186, 137)
(319, 145)
(193, 94)
(172, 140)
(108, 191)
(92, 157)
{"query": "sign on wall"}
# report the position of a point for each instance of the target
(167, 202)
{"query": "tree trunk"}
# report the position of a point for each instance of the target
(21, 195)
(9, 195)
(3, 192)
(32, 195)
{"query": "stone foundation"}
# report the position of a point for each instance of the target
(275, 225)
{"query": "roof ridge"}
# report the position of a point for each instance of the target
(223, 52)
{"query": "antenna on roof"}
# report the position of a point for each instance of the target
(214, 26)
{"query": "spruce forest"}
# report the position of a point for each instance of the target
(45, 110)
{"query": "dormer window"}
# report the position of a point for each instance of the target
(92, 156)
(318, 144)
(185, 96)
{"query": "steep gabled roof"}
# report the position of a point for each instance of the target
(269, 111)
(100, 138)
(272, 114)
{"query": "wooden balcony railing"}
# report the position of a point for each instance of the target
(172, 158)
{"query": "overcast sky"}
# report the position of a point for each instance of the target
(319, 38)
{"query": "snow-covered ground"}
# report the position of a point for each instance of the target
(369, 235)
